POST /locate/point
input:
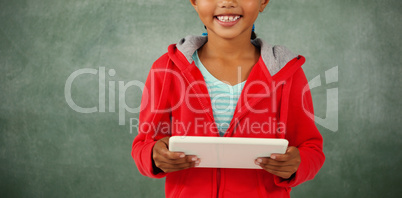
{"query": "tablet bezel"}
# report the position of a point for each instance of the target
(227, 152)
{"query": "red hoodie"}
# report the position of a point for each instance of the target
(273, 102)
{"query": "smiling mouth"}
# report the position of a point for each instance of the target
(228, 18)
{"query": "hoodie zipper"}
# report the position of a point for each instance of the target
(189, 78)
(218, 181)
(244, 111)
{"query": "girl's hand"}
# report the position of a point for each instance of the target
(282, 165)
(169, 161)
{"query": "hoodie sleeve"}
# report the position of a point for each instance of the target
(302, 133)
(154, 119)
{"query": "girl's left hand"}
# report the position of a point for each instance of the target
(282, 165)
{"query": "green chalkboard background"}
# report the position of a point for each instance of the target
(47, 149)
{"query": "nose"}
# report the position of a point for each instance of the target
(227, 3)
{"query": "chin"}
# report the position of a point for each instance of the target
(230, 35)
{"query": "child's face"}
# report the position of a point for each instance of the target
(229, 18)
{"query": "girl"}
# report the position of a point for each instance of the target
(226, 84)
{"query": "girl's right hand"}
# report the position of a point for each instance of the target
(169, 161)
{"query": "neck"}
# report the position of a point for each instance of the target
(221, 48)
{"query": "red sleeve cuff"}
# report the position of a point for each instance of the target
(147, 164)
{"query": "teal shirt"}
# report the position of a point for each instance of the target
(223, 96)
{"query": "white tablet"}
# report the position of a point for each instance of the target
(227, 152)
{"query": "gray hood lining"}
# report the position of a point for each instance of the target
(274, 57)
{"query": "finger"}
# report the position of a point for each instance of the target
(268, 161)
(163, 156)
(181, 166)
(282, 174)
(280, 157)
(166, 167)
(187, 159)
(290, 168)
(261, 160)
(290, 153)
(164, 151)
(171, 155)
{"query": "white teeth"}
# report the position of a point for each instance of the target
(228, 18)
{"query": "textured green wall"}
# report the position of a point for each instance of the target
(49, 150)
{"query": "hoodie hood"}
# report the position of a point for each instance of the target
(274, 57)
